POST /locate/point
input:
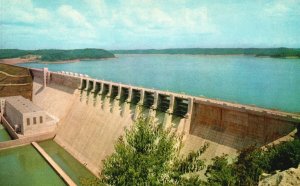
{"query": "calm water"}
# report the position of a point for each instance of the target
(25, 166)
(4, 136)
(265, 82)
(70, 165)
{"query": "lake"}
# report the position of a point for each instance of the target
(266, 82)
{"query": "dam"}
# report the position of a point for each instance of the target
(93, 114)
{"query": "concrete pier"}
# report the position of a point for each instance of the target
(56, 167)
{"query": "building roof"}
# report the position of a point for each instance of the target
(23, 105)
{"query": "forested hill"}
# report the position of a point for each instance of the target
(271, 52)
(56, 55)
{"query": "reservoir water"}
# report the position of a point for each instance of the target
(265, 82)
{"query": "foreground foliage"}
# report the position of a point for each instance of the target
(149, 155)
(252, 162)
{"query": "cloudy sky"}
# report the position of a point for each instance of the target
(140, 24)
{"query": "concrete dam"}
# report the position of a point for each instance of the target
(93, 114)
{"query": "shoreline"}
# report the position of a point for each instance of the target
(217, 55)
(18, 60)
(58, 62)
(14, 61)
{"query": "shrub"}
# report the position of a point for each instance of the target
(284, 155)
(149, 155)
(252, 162)
(220, 172)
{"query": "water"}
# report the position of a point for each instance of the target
(265, 82)
(4, 136)
(25, 166)
(70, 165)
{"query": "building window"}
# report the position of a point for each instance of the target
(34, 120)
(41, 119)
(28, 121)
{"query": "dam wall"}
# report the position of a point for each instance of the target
(238, 127)
(94, 113)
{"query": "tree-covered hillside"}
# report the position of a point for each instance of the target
(272, 52)
(57, 55)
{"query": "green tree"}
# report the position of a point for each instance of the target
(149, 155)
(221, 172)
(252, 162)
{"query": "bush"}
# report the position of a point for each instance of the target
(252, 162)
(284, 155)
(220, 172)
(149, 155)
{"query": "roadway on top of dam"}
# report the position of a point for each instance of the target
(264, 82)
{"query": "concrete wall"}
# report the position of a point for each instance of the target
(13, 116)
(37, 73)
(94, 116)
(86, 130)
(237, 128)
(26, 141)
(8, 127)
(65, 80)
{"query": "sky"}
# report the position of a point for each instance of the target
(148, 24)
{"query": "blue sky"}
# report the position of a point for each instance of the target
(141, 24)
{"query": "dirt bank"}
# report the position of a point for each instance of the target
(13, 61)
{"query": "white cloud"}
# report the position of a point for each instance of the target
(279, 8)
(97, 20)
(151, 17)
(22, 11)
(98, 6)
(283, 8)
(74, 16)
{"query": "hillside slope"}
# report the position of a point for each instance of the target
(56, 55)
(15, 81)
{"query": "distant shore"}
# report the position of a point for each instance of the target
(13, 61)
(18, 60)
(59, 62)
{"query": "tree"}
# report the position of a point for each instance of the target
(221, 172)
(252, 162)
(149, 155)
